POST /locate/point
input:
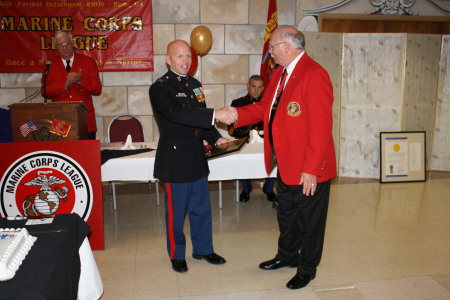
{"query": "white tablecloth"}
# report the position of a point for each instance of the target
(90, 286)
(248, 163)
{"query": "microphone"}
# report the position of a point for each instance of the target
(47, 68)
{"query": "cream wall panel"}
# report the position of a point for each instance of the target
(440, 159)
(163, 34)
(422, 72)
(112, 101)
(359, 140)
(254, 64)
(224, 12)
(127, 78)
(11, 96)
(105, 127)
(176, 11)
(234, 91)
(20, 80)
(224, 69)
(160, 66)
(101, 130)
(138, 101)
(214, 95)
(258, 11)
(244, 39)
(147, 123)
(286, 12)
(372, 98)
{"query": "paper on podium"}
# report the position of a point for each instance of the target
(128, 144)
(255, 138)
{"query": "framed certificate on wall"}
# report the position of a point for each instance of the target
(402, 156)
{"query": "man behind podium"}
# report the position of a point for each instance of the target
(72, 77)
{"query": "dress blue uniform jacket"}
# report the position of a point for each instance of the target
(184, 122)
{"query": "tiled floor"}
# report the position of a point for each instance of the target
(383, 241)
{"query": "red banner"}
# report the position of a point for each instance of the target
(118, 35)
(267, 62)
(49, 178)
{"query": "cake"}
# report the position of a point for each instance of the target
(14, 247)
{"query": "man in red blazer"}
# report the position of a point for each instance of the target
(299, 140)
(72, 77)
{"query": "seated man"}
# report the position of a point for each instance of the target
(255, 87)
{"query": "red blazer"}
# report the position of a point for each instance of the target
(90, 84)
(302, 127)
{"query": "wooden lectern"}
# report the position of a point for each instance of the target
(42, 114)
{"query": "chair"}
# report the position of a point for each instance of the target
(118, 131)
(123, 125)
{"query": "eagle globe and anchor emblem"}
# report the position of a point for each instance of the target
(47, 201)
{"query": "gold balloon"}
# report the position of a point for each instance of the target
(201, 39)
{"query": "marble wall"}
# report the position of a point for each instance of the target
(440, 155)
(374, 89)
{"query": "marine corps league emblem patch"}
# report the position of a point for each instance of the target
(293, 109)
(44, 183)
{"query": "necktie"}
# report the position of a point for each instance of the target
(273, 111)
(68, 66)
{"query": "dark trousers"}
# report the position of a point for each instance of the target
(92, 135)
(302, 221)
(192, 199)
(267, 187)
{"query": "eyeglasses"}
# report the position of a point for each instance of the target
(63, 45)
(272, 46)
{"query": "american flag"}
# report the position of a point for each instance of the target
(28, 127)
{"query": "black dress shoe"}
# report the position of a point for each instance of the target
(244, 197)
(300, 281)
(271, 197)
(211, 258)
(275, 263)
(179, 265)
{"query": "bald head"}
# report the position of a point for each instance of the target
(285, 44)
(178, 57)
(173, 45)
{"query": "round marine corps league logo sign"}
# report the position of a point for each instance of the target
(45, 183)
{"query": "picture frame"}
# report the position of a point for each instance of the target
(402, 156)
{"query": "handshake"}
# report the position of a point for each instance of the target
(226, 115)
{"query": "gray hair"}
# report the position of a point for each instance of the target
(295, 38)
(61, 33)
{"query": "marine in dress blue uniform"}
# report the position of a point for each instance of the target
(255, 87)
(184, 121)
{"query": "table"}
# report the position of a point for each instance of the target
(60, 264)
(248, 163)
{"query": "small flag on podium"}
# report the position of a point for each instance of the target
(28, 127)
(60, 127)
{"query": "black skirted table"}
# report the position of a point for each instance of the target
(51, 270)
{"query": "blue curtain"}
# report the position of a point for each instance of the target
(5, 126)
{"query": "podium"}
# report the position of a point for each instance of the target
(42, 114)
